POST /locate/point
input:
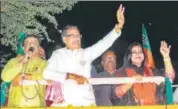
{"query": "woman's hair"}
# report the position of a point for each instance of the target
(128, 54)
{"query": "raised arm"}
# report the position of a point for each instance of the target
(165, 51)
(101, 46)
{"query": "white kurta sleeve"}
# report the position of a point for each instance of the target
(52, 71)
(101, 46)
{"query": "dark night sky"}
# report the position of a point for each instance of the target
(96, 19)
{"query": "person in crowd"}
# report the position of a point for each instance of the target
(20, 50)
(27, 66)
(71, 65)
(134, 66)
(19, 53)
(103, 92)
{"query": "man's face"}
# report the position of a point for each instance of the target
(109, 61)
(31, 42)
(73, 39)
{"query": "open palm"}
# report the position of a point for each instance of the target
(165, 49)
(120, 16)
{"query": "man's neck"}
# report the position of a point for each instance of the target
(72, 49)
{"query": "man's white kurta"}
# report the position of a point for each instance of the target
(78, 61)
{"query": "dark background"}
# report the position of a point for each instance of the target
(95, 19)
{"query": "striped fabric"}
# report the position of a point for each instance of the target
(54, 92)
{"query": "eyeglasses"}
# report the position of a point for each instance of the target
(73, 35)
(134, 52)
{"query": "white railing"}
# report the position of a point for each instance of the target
(122, 80)
(99, 81)
(116, 80)
(174, 85)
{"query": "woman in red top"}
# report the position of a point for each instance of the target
(133, 66)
